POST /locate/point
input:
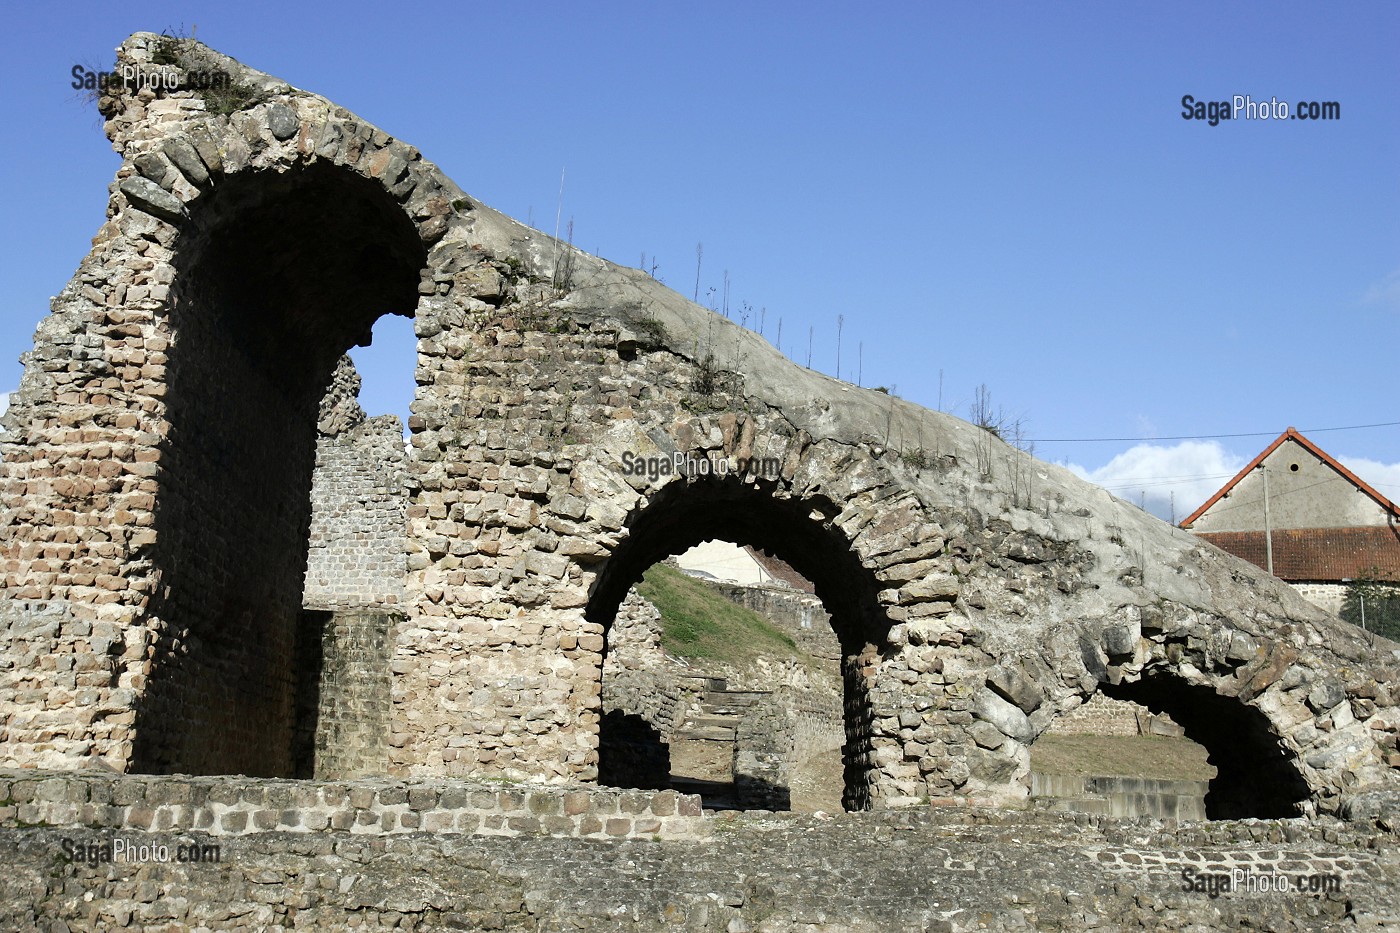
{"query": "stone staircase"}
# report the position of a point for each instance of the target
(702, 747)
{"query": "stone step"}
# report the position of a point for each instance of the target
(737, 700)
(707, 720)
(706, 734)
(715, 710)
(1097, 805)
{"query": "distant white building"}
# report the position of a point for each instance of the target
(727, 562)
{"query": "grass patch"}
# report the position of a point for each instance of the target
(1149, 756)
(698, 622)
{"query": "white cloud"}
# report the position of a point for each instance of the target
(1151, 474)
(1384, 476)
(1385, 293)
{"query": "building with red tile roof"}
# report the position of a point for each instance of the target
(1297, 512)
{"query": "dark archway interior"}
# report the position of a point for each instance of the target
(686, 513)
(1255, 774)
(277, 275)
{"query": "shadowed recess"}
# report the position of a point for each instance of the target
(1255, 775)
(277, 275)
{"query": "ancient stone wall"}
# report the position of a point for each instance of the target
(236, 806)
(158, 465)
(56, 671)
(1119, 796)
(817, 724)
(1101, 715)
(347, 714)
(801, 615)
(763, 755)
(463, 856)
(358, 510)
(634, 638)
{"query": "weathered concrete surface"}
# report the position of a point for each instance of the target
(158, 462)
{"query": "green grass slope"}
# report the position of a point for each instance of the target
(699, 623)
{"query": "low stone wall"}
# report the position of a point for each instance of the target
(763, 755)
(1115, 795)
(801, 615)
(1329, 597)
(657, 696)
(238, 806)
(949, 870)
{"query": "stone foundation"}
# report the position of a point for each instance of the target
(235, 806)
(953, 870)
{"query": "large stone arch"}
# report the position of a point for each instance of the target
(1013, 588)
(277, 274)
(242, 255)
(1282, 725)
(759, 511)
(1256, 775)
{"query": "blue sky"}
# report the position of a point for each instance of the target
(999, 194)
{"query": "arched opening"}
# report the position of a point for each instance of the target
(1255, 773)
(689, 512)
(277, 275)
(386, 367)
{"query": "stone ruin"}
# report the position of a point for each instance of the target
(173, 602)
(767, 734)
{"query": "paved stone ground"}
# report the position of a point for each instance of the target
(949, 870)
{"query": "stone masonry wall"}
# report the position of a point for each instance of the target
(1329, 597)
(1120, 796)
(358, 519)
(1102, 715)
(57, 668)
(158, 459)
(801, 615)
(236, 806)
(634, 639)
(643, 700)
(817, 726)
(350, 719)
(458, 856)
(763, 755)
